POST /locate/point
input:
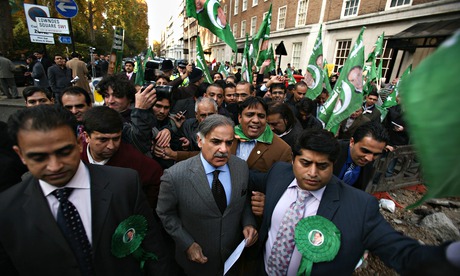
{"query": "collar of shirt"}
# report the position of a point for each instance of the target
(129, 75)
(318, 194)
(370, 108)
(285, 133)
(92, 161)
(80, 180)
(208, 168)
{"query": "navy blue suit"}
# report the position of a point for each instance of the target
(356, 214)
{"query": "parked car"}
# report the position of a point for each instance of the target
(20, 67)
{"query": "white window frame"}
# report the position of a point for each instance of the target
(388, 5)
(284, 19)
(296, 54)
(243, 28)
(244, 5)
(342, 50)
(298, 16)
(255, 3)
(253, 31)
(344, 8)
(235, 30)
(236, 7)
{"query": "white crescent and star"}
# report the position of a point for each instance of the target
(213, 17)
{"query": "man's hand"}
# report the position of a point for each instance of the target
(178, 118)
(163, 138)
(146, 98)
(165, 153)
(185, 143)
(264, 65)
(389, 148)
(258, 203)
(188, 70)
(250, 235)
(195, 254)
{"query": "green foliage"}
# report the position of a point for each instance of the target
(104, 15)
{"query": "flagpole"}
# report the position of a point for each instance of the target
(188, 34)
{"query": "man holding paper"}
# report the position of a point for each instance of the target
(203, 202)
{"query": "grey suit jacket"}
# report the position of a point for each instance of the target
(189, 213)
(31, 242)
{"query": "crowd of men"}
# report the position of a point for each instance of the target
(206, 166)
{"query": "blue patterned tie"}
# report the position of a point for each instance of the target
(281, 253)
(69, 221)
(349, 177)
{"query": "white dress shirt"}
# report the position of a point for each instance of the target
(80, 197)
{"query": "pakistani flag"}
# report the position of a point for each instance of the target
(140, 72)
(222, 71)
(291, 79)
(148, 56)
(432, 119)
(391, 98)
(246, 70)
(264, 34)
(210, 15)
(201, 62)
(347, 95)
(374, 73)
(314, 75)
(271, 56)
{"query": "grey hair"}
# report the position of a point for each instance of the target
(201, 100)
(211, 122)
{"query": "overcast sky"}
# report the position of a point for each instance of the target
(159, 12)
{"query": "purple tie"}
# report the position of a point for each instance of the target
(281, 253)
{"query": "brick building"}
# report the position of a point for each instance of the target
(413, 28)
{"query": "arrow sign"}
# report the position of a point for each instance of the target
(66, 8)
(65, 39)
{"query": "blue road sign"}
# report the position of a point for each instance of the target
(65, 39)
(66, 8)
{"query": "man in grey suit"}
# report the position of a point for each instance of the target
(35, 238)
(206, 211)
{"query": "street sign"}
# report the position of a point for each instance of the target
(65, 39)
(52, 25)
(32, 12)
(66, 8)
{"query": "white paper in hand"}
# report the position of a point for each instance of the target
(234, 257)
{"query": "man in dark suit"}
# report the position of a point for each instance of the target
(129, 71)
(354, 165)
(35, 238)
(354, 212)
(203, 202)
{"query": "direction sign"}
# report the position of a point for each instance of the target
(65, 39)
(66, 8)
(52, 25)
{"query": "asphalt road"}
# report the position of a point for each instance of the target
(9, 106)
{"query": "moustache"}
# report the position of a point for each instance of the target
(220, 155)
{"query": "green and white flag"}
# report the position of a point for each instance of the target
(246, 70)
(374, 73)
(347, 95)
(201, 62)
(211, 16)
(327, 83)
(433, 122)
(140, 72)
(148, 56)
(291, 79)
(222, 71)
(271, 56)
(315, 75)
(264, 34)
(391, 98)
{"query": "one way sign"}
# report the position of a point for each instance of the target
(66, 8)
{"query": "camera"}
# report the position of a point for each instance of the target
(162, 91)
(91, 49)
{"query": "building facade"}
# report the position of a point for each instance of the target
(413, 29)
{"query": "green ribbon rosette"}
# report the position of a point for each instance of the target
(318, 240)
(128, 237)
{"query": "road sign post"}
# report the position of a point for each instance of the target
(69, 9)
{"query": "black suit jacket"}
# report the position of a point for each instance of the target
(356, 214)
(365, 176)
(31, 242)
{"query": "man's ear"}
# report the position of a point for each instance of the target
(199, 141)
(87, 137)
(18, 151)
(352, 142)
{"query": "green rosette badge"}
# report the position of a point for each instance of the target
(128, 237)
(318, 240)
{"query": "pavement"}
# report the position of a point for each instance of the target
(9, 106)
